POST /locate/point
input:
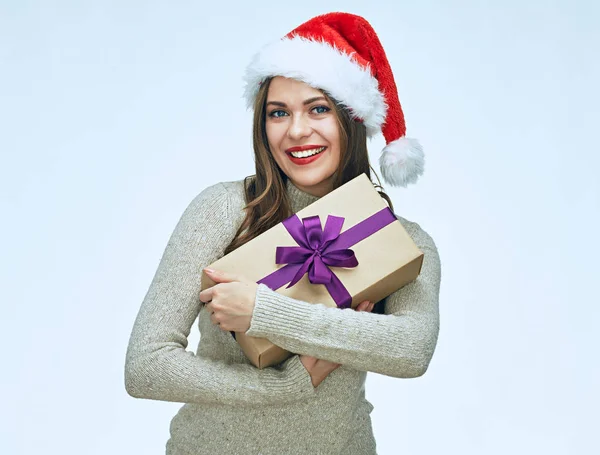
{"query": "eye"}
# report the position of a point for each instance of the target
(277, 113)
(320, 109)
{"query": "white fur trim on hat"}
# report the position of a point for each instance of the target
(322, 66)
(402, 162)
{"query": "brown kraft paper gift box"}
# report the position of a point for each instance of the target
(388, 259)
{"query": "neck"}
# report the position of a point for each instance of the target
(299, 199)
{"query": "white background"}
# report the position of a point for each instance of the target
(115, 114)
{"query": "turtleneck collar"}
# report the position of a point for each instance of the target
(299, 199)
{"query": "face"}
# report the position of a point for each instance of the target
(303, 134)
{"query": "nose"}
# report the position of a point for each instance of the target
(299, 128)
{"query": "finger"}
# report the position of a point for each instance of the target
(331, 366)
(309, 358)
(308, 362)
(220, 276)
(206, 295)
(361, 306)
(213, 318)
(365, 305)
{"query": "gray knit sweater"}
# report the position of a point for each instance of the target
(233, 408)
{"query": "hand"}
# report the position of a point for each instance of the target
(319, 369)
(230, 301)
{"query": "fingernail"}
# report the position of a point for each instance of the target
(209, 270)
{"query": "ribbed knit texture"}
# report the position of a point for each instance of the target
(233, 408)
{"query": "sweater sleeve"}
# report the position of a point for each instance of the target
(399, 343)
(157, 364)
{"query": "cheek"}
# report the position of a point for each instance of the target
(274, 133)
(274, 140)
(269, 132)
(332, 133)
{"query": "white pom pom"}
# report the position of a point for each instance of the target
(402, 162)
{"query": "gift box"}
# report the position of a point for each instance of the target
(343, 249)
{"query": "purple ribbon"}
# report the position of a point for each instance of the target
(320, 249)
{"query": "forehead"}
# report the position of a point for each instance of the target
(290, 90)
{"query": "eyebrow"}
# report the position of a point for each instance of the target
(308, 101)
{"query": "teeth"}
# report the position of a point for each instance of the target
(307, 153)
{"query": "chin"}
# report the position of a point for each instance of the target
(313, 179)
(316, 180)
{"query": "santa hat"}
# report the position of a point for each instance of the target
(341, 54)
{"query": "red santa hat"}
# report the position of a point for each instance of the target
(341, 54)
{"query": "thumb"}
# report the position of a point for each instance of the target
(219, 276)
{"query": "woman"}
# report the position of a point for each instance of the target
(321, 91)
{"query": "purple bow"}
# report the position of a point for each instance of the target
(319, 249)
(314, 253)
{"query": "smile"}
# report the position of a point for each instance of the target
(307, 153)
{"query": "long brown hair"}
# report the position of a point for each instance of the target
(267, 202)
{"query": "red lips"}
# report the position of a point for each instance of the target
(307, 160)
(301, 148)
